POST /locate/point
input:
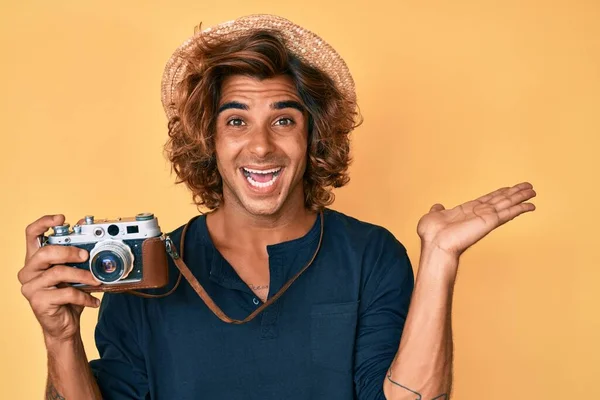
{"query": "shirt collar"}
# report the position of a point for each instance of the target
(222, 273)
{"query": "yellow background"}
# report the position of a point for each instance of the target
(459, 98)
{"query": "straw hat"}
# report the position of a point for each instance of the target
(304, 44)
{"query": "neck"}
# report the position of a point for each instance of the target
(251, 232)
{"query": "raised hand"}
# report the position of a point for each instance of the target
(455, 230)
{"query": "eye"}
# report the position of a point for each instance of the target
(284, 122)
(236, 122)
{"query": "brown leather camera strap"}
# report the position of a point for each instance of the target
(185, 271)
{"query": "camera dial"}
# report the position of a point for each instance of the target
(61, 230)
(111, 261)
(144, 217)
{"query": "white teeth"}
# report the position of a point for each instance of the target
(257, 171)
(262, 184)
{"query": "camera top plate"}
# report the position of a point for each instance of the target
(142, 226)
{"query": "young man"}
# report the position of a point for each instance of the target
(259, 115)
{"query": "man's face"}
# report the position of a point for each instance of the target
(261, 143)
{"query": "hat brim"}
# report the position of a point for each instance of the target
(304, 44)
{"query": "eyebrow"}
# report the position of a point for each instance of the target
(279, 105)
(232, 104)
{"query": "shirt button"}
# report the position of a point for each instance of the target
(255, 301)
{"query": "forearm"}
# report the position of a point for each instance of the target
(69, 374)
(422, 368)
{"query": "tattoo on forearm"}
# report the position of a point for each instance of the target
(420, 397)
(52, 393)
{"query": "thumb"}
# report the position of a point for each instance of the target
(437, 207)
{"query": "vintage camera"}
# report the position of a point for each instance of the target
(124, 253)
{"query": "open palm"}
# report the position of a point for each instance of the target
(455, 230)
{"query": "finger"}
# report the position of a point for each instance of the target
(44, 299)
(56, 275)
(436, 207)
(486, 198)
(508, 214)
(509, 193)
(37, 228)
(50, 255)
(514, 199)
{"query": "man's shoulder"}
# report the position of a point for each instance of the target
(193, 225)
(371, 252)
(357, 232)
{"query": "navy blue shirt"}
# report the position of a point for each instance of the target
(332, 335)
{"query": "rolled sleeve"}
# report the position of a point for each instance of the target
(120, 371)
(383, 311)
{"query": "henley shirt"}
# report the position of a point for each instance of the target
(332, 335)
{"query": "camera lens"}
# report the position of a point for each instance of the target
(110, 261)
(107, 267)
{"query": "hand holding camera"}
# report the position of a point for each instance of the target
(105, 255)
(57, 307)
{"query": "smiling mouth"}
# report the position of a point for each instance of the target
(261, 178)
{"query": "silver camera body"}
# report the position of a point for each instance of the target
(114, 246)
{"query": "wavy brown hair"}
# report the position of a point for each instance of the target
(191, 143)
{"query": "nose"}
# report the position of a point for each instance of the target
(261, 142)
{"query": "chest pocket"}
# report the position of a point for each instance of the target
(332, 335)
